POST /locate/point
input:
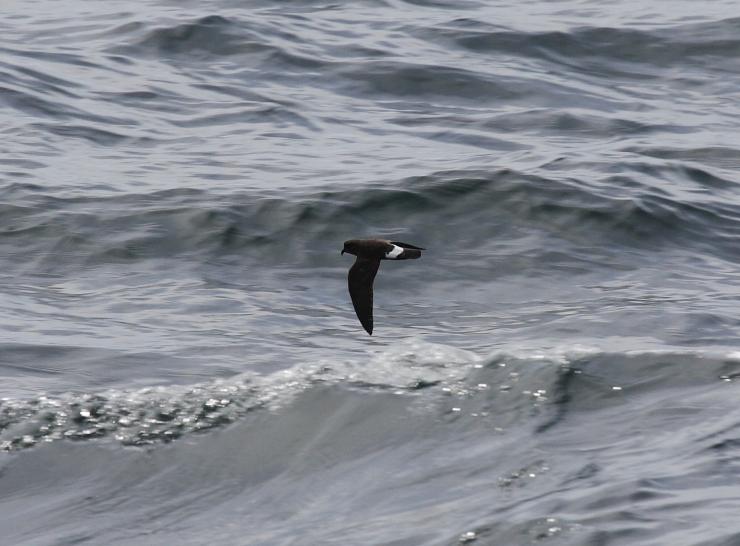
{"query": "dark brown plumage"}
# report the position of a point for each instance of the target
(369, 252)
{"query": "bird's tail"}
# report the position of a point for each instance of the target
(406, 245)
(410, 252)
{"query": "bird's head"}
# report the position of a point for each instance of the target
(351, 247)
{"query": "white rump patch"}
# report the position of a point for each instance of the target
(395, 253)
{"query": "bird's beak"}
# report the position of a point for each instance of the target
(342, 254)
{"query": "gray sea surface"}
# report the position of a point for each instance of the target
(180, 362)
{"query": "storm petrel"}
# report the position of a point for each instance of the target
(369, 252)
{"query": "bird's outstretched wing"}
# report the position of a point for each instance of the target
(360, 281)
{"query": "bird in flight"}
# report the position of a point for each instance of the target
(369, 252)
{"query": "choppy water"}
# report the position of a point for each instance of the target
(179, 359)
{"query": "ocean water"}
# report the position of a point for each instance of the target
(180, 362)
